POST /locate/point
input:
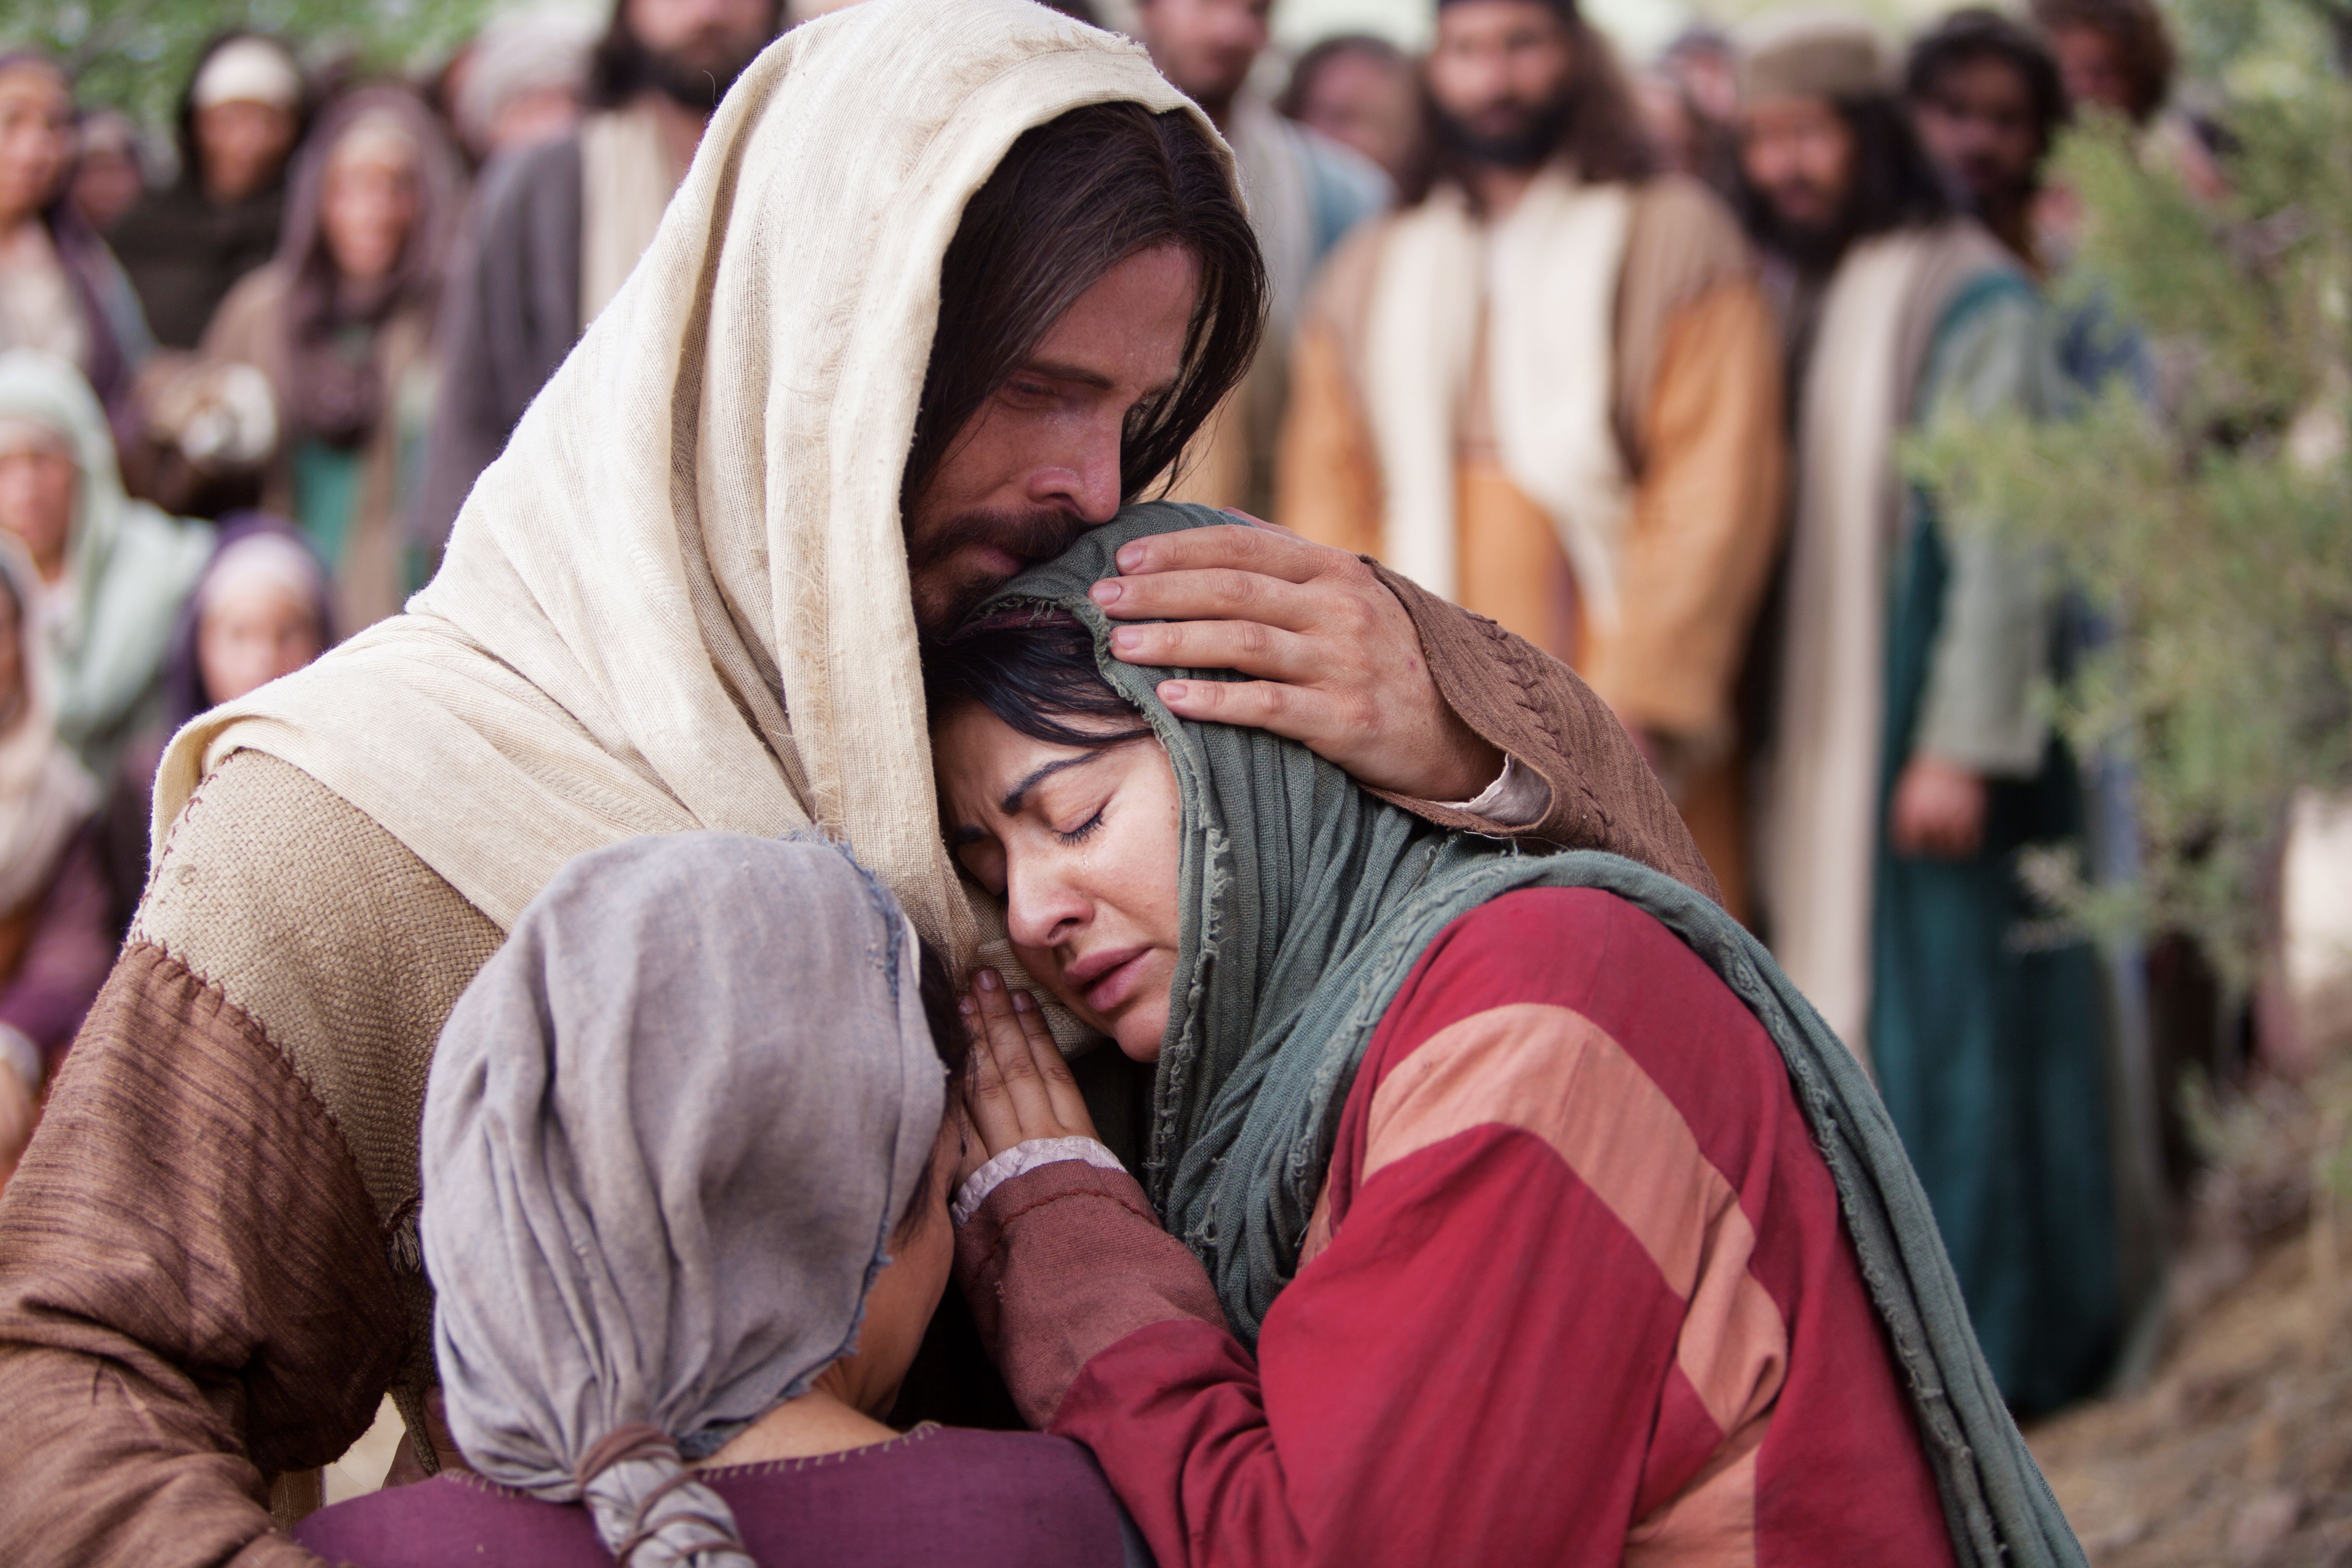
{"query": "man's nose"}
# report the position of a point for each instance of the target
(1086, 479)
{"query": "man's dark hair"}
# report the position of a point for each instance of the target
(1597, 132)
(1072, 199)
(1977, 33)
(2142, 44)
(1896, 185)
(1339, 47)
(621, 66)
(1036, 670)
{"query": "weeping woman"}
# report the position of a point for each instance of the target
(1495, 1208)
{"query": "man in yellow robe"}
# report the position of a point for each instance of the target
(1550, 390)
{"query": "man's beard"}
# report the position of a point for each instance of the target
(1532, 137)
(1812, 247)
(696, 74)
(940, 606)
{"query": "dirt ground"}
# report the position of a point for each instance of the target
(2236, 1450)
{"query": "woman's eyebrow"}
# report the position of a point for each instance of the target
(1010, 804)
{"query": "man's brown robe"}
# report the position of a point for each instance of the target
(1696, 414)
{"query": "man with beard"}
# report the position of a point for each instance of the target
(558, 226)
(1909, 760)
(1305, 191)
(948, 282)
(1986, 100)
(1551, 391)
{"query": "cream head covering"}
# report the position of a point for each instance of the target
(250, 70)
(680, 599)
(1814, 54)
(670, 1128)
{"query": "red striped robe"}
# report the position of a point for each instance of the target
(1576, 1291)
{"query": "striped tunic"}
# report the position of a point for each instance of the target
(1577, 1292)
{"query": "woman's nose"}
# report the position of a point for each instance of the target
(1040, 908)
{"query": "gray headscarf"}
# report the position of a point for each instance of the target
(668, 1130)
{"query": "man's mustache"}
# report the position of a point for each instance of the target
(1035, 533)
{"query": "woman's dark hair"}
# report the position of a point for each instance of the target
(1072, 199)
(1975, 33)
(1896, 185)
(1036, 670)
(2142, 44)
(1600, 133)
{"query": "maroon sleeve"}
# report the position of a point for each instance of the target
(1478, 1304)
(68, 958)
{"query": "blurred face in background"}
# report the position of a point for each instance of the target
(699, 47)
(2091, 63)
(1499, 74)
(1365, 101)
(1798, 154)
(1977, 120)
(368, 202)
(107, 177)
(38, 482)
(1205, 47)
(36, 139)
(253, 631)
(242, 147)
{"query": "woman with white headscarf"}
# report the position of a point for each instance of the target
(112, 572)
(686, 1217)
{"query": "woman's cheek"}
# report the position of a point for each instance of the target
(1042, 967)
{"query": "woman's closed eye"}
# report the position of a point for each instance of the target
(1084, 830)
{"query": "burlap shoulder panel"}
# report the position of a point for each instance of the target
(334, 938)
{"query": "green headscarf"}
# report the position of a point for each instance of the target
(132, 566)
(1305, 904)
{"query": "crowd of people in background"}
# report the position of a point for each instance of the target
(1622, 359)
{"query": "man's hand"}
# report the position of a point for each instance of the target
(1016, 1086)
(1938, 810)
(1336, 661)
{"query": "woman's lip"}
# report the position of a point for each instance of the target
(1110, 986)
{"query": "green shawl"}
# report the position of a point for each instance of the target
(1305, 903)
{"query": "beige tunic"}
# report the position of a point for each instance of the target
(1695, 406)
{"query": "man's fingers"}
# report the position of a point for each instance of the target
(1215, 593)
(1292, 711)
(1250, 647)
(1252, 546)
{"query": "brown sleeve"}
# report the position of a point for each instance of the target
(1327, 483)
(1705, 518)
(1527, 704)
(193, 1293)
(1063, 1262)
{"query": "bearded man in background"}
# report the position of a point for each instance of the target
(558, 226)
(1909, 760)
(1551, 391)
